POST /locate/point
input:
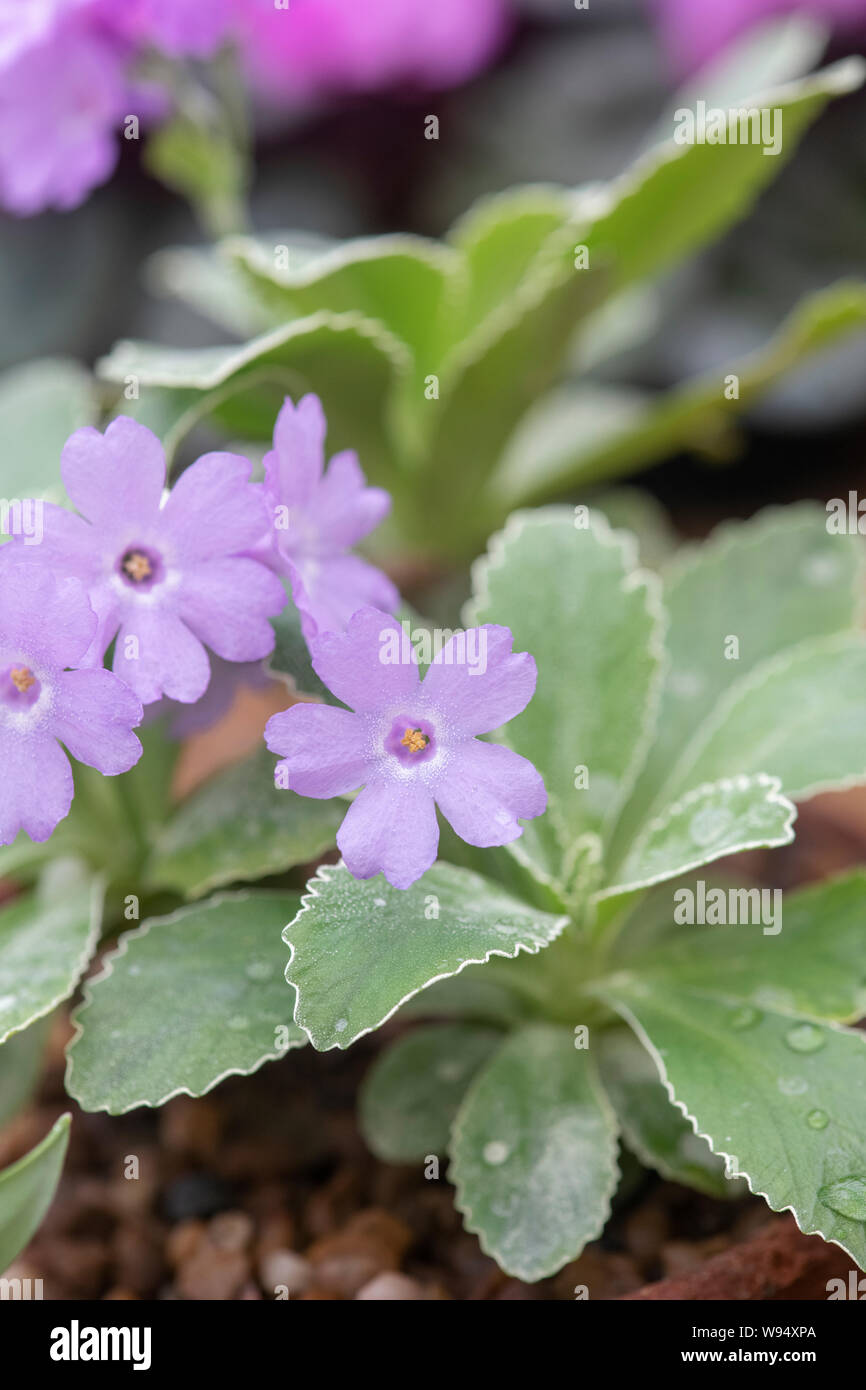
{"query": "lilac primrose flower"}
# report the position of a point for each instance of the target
(315, 517)
(47, 625)
(412, 745)
(63, 96)
(165, 575)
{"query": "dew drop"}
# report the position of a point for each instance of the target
(806, 1037)
(847, 1197)
(379, 902)
(817, 1119)
(495, 1152)
(819, 569)
(746, 1017)
(238, 1023)
(7, 1000)
(792, 1085)
(341, 1025)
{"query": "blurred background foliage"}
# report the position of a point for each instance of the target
(572, 98)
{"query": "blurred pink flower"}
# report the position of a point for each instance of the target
(695, 31)
(345, 45)
(176, 27)
(62, 100)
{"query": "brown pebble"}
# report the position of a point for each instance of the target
(190, 1127)
(391, 1288)
(605, 1274)
(231, 1230)
(183, 1241)
(680, 1257)
(276, 1232)
(79, 1265)
(213, 1274)
(284, 1270)
(645, 1231)
(139, 1259)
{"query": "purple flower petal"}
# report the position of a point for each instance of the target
(45, 619)
(327, 594)
(213, 509)
(355, 665)
(37, 786)
(117, 474)
(293, 467)
(325, 749)
(479, 680)
(390, 828)
(485, 789)
(225, 603)
(343, 508)
(63, 96)
(157, 654)
(92, 714)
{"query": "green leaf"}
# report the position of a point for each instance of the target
(183, 1002)
(413, 1091)
(500, 238)
(777, 50)
(573, 598)
(41, 404)
(809, 961)
(20, 1066)
(361, 949)
(652, 1127)
(351, 362)
(771, 582)
(534, 1153)
(239, 827)
(583, 434)
(205, 280)
(677, 198)
(489, 381)
(399, 281)
(712, 820)
(27, 1190)
(779, 1095)
(46, 941)
(798, 716)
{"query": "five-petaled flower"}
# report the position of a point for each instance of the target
(46, 626)
(411, 745)
(316, 517)
(165, 575)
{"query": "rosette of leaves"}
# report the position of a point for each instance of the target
(454, 366)
(554, 1009)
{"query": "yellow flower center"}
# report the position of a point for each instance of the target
(137, 566)
(22, 678)
(414, 740)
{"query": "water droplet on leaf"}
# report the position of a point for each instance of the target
(806, 1037)
(495, 1152)
(847, 1197)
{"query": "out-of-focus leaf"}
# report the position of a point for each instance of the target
(27, 1190)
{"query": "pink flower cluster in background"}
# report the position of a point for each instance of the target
(68, 68)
